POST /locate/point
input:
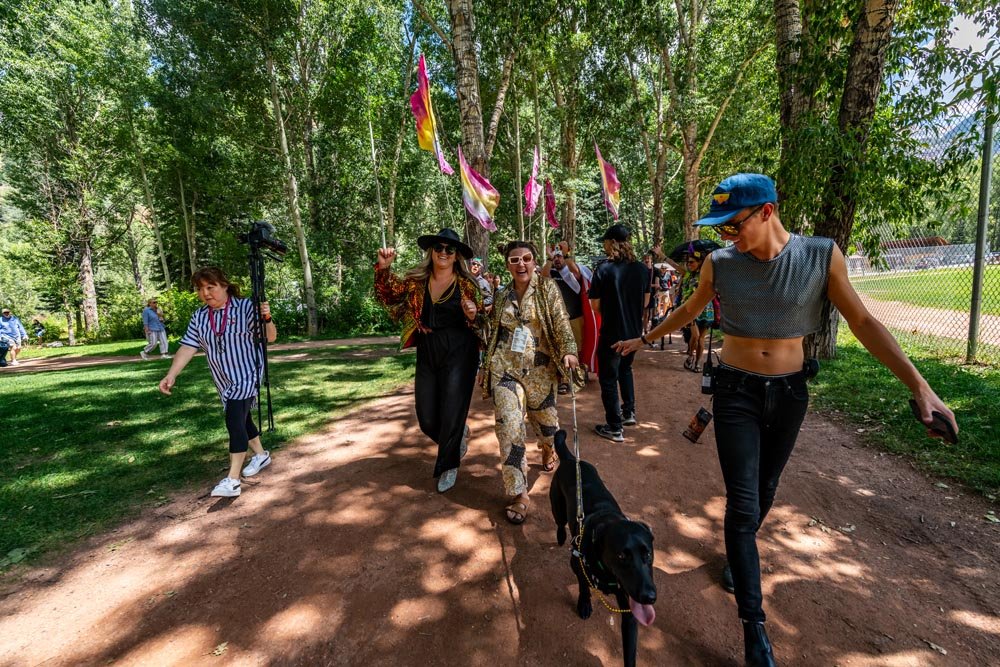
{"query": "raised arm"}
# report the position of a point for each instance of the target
(877, 340)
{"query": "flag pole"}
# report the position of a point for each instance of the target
(378, 186)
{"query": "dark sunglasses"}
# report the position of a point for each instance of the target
(733, 228)
(520, 259)
(447, 249)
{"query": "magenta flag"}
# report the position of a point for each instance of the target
(478, 195)
(532, 190)
(423, 114)
(550, 205)
(609, 182)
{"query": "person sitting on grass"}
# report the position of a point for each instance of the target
(226, 329)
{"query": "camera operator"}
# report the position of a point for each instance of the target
(226, 329)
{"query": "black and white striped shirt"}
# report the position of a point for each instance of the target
(233, 351)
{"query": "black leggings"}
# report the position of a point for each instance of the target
(239, 424)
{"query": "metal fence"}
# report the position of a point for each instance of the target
(937, 285)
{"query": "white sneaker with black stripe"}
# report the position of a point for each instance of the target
(257, 463)
(227, 488)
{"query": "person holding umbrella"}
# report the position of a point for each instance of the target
(774, 287)
(440, 308)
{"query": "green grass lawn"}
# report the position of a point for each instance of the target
(856, 387)
(949, 288)
(86, 448)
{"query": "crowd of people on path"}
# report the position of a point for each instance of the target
(766, 291)
(540, 334)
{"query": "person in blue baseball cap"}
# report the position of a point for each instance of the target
(775, 288)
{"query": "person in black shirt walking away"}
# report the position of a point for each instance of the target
(619, 292)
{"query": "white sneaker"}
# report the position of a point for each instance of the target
(447, 480)
(227, 488)
(15, 362)
(257, 463)
(166, 356)
(145, 357)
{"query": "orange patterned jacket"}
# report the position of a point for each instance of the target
(404, 299)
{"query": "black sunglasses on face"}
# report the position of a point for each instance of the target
(733, 228)
(446, 249)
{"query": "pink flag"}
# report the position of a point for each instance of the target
(609, 181)
(423, 114)
(480, 198)
(532, 190)
(550, 205)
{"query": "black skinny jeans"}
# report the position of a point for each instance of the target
(240, 424)
(614, 371)
(447, 360)
(757, 420)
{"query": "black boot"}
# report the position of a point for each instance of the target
(727, 579)
(756, 646)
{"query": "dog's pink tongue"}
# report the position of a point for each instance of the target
(643, 613)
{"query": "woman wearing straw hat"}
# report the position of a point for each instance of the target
(440, 308)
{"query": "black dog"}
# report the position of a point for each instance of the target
(616, 553)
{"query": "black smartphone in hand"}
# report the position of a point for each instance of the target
(940, 425)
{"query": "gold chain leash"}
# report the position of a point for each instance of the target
(583, 569)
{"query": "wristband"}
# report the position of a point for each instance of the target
(643, 339)
(267, 319)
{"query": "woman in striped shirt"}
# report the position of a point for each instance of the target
(226, 329)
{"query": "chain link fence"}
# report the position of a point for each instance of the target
(937, 284)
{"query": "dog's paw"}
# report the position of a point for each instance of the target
(584, 608)
(561, 535)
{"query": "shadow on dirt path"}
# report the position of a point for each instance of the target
(342, 553)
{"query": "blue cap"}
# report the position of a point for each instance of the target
(736, 193)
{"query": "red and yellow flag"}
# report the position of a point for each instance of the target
(423, 114)
(609, 181)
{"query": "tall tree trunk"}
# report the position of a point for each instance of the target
(390, 217)
(788, 36)
(68, 309)
(469, 106)
(292, 193)
(90, 315)
(151, 214)
(862, 85)
(189, 235)
(691, 169)
(132, 250)
(517, 169)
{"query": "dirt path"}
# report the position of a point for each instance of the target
(68, 362)
(932, 321)
(341, 553)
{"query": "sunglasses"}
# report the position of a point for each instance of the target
(520, 259)
(446, 249)
(733, 228)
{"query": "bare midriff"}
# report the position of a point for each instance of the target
(766, 356)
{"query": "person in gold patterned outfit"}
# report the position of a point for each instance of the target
(530, 335)
(440, 309)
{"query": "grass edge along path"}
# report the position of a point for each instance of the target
(857, 389)
(91, 447)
